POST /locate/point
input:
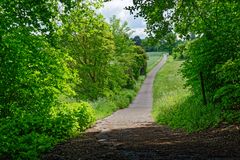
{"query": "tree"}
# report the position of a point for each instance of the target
(25, 51)
(89, 41)
(127, 57)
(150, 44)
(34, 73)
(216, 26)
(121, 34)
(169, 42)
(35, 16)
(137, 40)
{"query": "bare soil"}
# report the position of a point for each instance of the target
(131, 134)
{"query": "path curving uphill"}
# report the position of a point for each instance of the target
(138, 114)
(131, 134)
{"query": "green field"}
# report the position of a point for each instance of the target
(154, 58)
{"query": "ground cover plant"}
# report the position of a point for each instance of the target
(177, 106)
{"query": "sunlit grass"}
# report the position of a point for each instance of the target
(154, 58)
(175, 105)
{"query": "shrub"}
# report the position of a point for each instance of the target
(25, 135)
(142, 59)
(123, 98)
(179, 51)
(219, 64)
(73, 117)
(229, 94)
(104, 107)
(33, 74)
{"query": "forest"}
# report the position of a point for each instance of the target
(63, 66)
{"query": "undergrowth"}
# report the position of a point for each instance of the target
(25, 135)
(107, 105)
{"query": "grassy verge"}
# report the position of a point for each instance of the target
(154, 58)
(106, 106)
(177, 107)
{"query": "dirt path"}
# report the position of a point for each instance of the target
(138, 114)
(130, 134)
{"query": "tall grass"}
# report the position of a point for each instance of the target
(106, 106)
(175, 105)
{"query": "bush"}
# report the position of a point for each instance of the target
(74, 117)
(134, 66)
(33, 74)
(107, 105)
(219, 63)
(179, 52)
(177, 107)
(141, 59)
(124, 98)
(104, 107)
(25, 135)
(229, 94)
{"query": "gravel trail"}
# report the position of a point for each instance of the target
(138, 114)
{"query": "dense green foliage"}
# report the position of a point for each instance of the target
(24, 135)
(130, 58)
(34, 73)
(89, 41)
(165, 44)
(222, 87)
(169, 41)
(176, 106)
(179, 52)
(25, 79)
(212, 28)
(53, 55)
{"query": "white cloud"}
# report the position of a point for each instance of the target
(116, 7)
(139, 32)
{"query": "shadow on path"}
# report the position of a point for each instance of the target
(151, 143)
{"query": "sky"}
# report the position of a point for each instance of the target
(116, 7)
